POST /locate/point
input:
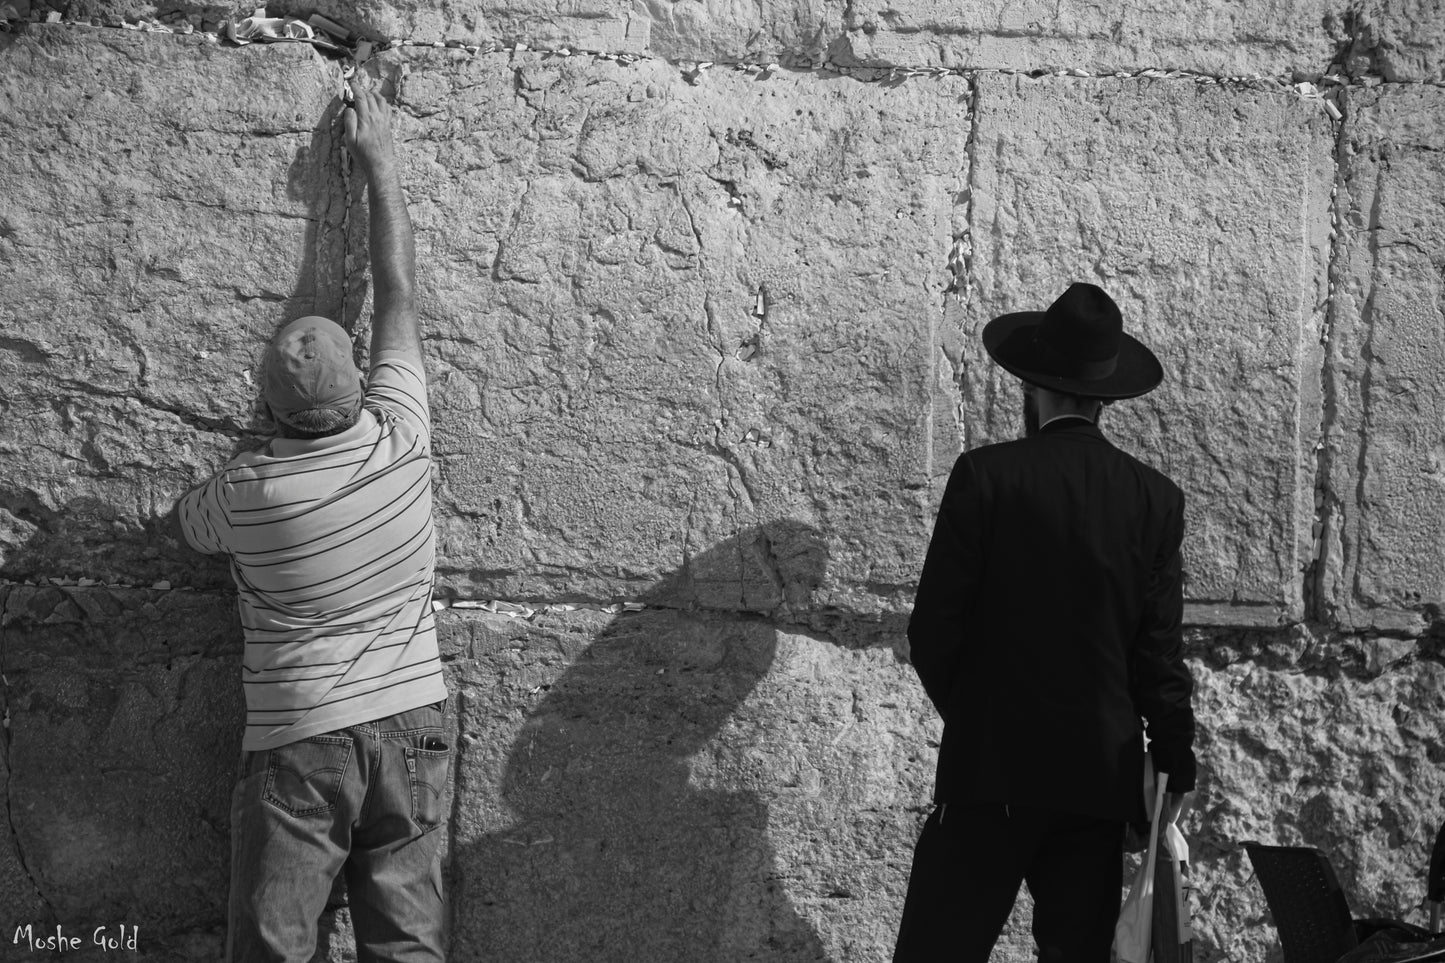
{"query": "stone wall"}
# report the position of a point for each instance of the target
(701, 286)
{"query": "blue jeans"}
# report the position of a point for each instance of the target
(365, 799)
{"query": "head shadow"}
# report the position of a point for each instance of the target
(635, 831)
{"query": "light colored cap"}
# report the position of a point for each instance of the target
(309, 367)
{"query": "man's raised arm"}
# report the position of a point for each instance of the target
(393, 252)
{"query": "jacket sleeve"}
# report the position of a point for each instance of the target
(948, 585)
(1160, 681)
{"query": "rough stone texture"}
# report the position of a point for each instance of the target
(122, 743)
(1317, 740)
(1402, 40)
(1204, 210)
(1386, 457)
(681, 785)
(1274, 39)
(663, 312)
(591, 432)
(175, 206)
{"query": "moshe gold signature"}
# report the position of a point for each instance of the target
(122, 937)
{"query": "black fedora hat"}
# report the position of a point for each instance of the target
(1078, 346)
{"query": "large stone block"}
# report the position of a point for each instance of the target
(1385, 538)
(1204, 211)
(661, 312)
(663, 785)
(167, 206)
(124, 722)
(1219, 38)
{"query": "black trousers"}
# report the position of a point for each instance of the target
(966, 873)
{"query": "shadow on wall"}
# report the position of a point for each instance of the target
(615, 851)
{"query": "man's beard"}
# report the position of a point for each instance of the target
(1031, 414)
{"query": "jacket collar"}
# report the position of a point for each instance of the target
(1075, 426)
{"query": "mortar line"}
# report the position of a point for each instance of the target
(878, 73)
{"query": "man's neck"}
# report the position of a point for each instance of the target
(1053, 406)
(1067, 416)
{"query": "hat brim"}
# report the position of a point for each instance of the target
(1009, 341)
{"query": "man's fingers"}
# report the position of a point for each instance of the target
(348, 120)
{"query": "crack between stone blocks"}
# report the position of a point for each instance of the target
(1326, 515)
(893, 73)
(961, 266)
(229, 427)
(1366, 375)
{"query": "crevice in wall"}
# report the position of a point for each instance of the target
(1313, 650)
(961, 255)
(1367, 385)
(1328, 508)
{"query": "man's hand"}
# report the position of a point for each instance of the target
(393, 255)
(1177, 805)
(368, 130)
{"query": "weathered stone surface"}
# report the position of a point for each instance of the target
(667, 785)
(1311, 739)
(1402, 40)
(715, 30)
(1204, 211)
(179, 203)
(124, 730)
(1385, 538)
(1274, 38)
(661, 312)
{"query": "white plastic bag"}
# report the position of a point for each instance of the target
(1132, 932)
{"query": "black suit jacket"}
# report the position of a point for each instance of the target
(1047, 623)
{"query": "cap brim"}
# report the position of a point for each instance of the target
(1009, 341)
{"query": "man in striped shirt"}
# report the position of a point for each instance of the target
(329, 533)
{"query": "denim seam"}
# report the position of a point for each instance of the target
(407, 733)
(372, 779)
(413, 780)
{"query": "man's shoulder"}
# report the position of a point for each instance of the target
(1153, 477)
(246, 461)
(1020, 453)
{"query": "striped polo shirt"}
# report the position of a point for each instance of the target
(332, 549)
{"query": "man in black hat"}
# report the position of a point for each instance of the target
(1047, 623)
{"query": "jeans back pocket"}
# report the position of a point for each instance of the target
(304, 778)
(428, 767)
